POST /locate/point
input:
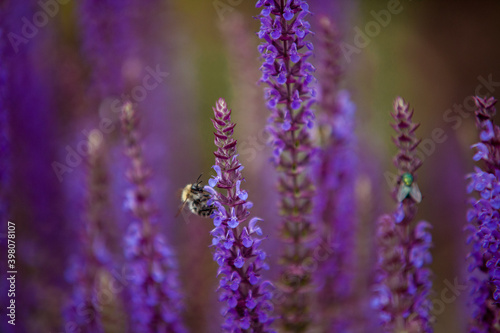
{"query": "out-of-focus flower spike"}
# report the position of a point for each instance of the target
(91, 261)
(335, 173)
(4, 126)
(5, 158)
(156, 303)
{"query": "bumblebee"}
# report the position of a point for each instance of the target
(408, 188)
(196, 198)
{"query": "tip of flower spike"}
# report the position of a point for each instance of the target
(399, 104)
(484, 102)
(324, 21)
(222, 102)
(221, 105)
(95, 141)
(127, 109)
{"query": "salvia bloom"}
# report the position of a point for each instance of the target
(154, 291)
(403, 281)
(246, 296)
(335, 202)
(288, 74)
(484, 218)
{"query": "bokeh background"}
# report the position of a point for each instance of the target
(60, 81)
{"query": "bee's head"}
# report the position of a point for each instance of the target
(196, 186)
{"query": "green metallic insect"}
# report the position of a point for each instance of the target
(408, 188)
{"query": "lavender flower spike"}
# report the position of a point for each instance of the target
(484, 218)
(86, 267)
(155, 299)
(289, 96)
(335, 172)
(246, 296)
(4, 127)
(403, 253)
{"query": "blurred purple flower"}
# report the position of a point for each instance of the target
(4, 157)
(4, 127)
(106, 43)
(288, 74)
(484, 218)
(82, 312)
(92, 255)
(403, 280)
(335, 177)
(246, 295)
(37, 203)
(154, 291)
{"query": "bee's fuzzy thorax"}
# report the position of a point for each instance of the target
(185, 192)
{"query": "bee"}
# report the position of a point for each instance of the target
(408, 188)
(196, 198)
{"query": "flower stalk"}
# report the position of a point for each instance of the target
(335, 202)
(403, 280)
(86, 268)
(288, 76)
(484, 219)
(155, 298)
(245, 294)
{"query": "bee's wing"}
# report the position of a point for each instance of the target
(181, 207)
(415, 193)
(403, 192)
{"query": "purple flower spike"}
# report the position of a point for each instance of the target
(288, 74)
(335, 175)
(403, 280)
(91, 261)
(236, 247)
(484, 218)
(155, 299)
(4, 129)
